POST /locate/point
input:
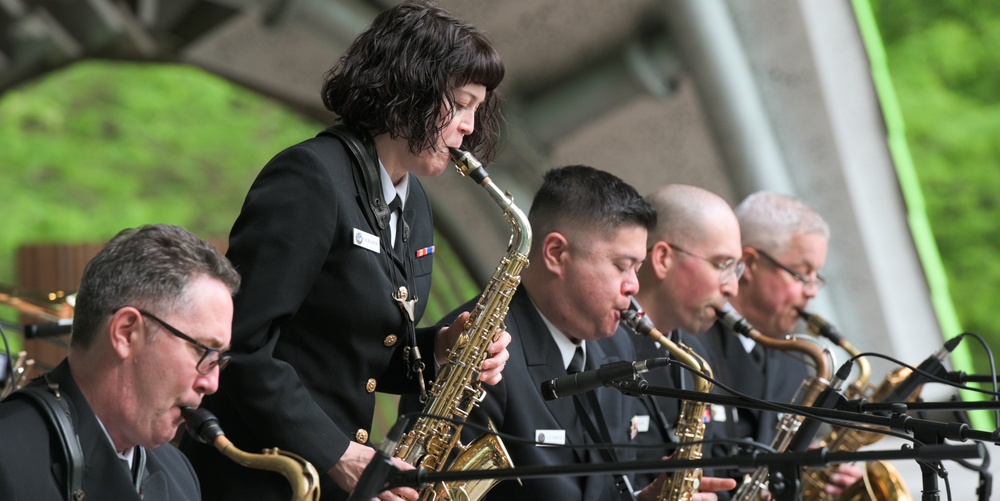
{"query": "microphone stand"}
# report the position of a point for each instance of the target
(925, 431)
(419, 477)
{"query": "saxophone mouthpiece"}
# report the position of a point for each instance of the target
(732, 319)
(201, 424)
(635, 318)
(468, 165)
(819, 325)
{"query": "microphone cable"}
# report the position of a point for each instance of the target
(516, 439)
(933, 377)
(938, 466)
(993, 369)
(774, 406)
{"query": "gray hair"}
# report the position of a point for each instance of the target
(148, 267)
(770, 220)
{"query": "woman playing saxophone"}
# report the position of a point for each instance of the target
(335, 242)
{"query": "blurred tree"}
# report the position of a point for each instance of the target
(103, 146)
(947, 79)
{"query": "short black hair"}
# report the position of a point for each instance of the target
(582, 196)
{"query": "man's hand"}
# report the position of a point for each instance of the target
(494, 363)
(348, 470)
(844, 476)
(706, 490)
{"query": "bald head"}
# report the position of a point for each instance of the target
(685, 212)
(695, 236)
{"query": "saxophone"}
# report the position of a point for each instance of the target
(457, 389)
(301, 474)
(881, 480)
(755, 486)
(18, 375)
(680, 485)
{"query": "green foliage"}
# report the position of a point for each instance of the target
(100, 147)
(947, 78)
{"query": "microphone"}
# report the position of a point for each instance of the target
(376, 474)
(829, 398)
(49, 329)
(595, 378)
(932, 365)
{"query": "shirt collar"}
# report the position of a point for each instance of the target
(389, 191)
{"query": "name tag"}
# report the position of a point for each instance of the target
(719, 413)
(366, 240)
(551, 437)
(641, 423)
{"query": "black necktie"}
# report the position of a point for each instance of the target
(396, 205)
(575, 363)
(757, 354)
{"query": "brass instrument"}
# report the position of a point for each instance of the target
(457, 389)
(680, 485)
(17, 376)
(301, 474)
(755, 486)
(881, 481)
(48, 306)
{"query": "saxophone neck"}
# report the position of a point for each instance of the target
(820, 327)
(468, 166)
(821, 357)
(301, 474)
(638, 321)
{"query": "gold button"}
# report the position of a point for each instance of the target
(390, 340)
(361, 436)
(370, 386)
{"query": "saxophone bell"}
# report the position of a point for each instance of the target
(301, 474)
(880, 481)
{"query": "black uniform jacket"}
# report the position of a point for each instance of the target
(516, 407)
(659, 420)
(315, 328)
(33, 466)
(776, 378)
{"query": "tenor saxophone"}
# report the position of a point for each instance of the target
(301, 474)
(680, 485)
(881, 480)
(755, 485)
(457, 389)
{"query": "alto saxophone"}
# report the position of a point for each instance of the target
(680, 485)
(301, 474)
(755, 485)
(881, 480)
(457, 389)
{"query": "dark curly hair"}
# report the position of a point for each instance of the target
(397, 76)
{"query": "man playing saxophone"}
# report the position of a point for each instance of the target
(784, 247)
(693, 267)
(151, 329)
(589, 240)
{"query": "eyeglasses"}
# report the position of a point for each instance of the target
(210, 357)
(818, 282)
(727, 270)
